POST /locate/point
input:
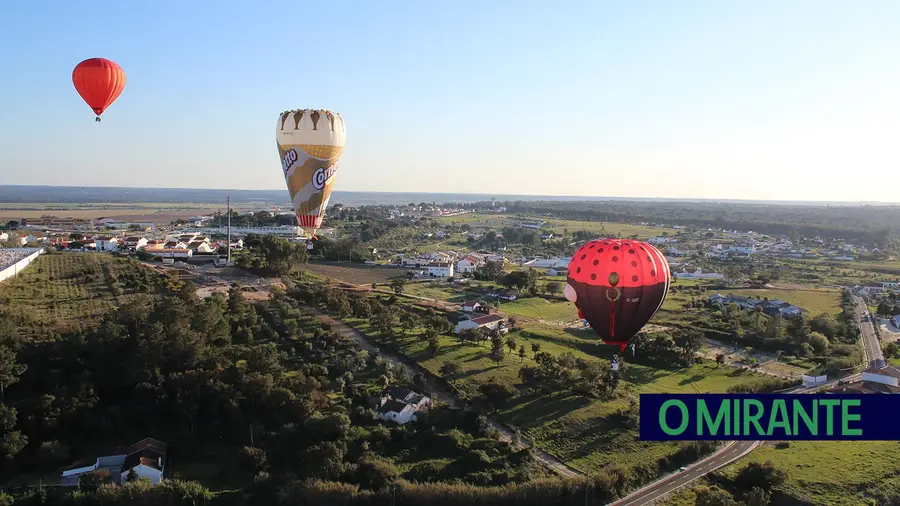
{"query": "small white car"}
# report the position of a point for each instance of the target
(683, 468)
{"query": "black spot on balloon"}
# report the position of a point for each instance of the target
(596, 262)
(615, 248)
(631, 251)
(600, 250)
(583, 257)
(633, 263)
(578, 270)
(634, 278)
(593, 277)
(653, 273)
(592, 246)
(615, 259)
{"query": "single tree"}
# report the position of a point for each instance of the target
(521, 353)
(535, 348)
(511, 344)
(10, 370)
(720, 359)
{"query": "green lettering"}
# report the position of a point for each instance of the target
(752, 418)
(812, 424)
(846, 417)
(737, 417)
(662, 417)
(703, 416)
(829, 416)
(779, 410)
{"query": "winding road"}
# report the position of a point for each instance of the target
(732, 451)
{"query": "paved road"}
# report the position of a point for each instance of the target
(506, 434)
(871, 346)
(731, 452)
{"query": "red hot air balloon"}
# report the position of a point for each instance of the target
(99, 82)
(617, 285)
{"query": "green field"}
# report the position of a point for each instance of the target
(817, 301)
(555, 311)
(498, 221)
(583, 431)
(832, 473)
(71, 290)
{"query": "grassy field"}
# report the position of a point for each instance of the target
(498, 221)
(824, 300)
(583, 431)
(69, 290)
(831, 473)
(356, 274)
(553, 311)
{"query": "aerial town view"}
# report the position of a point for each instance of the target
(442, 326)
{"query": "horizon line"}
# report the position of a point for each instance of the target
(488, 195)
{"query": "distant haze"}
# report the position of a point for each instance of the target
(11, 195)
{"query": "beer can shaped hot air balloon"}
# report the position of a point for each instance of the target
(310, 145)
(617, 286)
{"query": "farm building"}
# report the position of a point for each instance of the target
(400, 405)
(489, 322)
(146, 458)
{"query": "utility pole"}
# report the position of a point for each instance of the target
(228, 247)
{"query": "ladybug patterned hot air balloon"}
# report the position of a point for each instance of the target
(617, 286)
(99, 82)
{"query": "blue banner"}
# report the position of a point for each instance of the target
(772, 417)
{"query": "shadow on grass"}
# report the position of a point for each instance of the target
(693, 379)
(534, 409)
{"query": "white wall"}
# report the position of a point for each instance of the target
(21, 264)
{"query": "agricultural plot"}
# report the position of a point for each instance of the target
(72, 290)
(835, 473)
(356, 274)
(816, 301)
(608, 229)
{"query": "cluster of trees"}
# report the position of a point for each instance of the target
(290, 400)
(565, 372)
(751, 486)
(829, 340)
(269, 255)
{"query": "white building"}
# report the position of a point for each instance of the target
(549, 262)
(400, 405)
(697, 274)
(200, 247)
(439, 270)
(469, 263)
(106, 243)
(134, 243)
(4, 237)
(489, 322)
(470, 306)
(146, 458)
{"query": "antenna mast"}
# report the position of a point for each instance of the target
(228, 247)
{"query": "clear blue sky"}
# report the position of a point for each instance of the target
(755, 99)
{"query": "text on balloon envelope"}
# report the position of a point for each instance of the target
(322, 175)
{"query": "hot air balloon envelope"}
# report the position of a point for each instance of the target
(310, 145)
(617, 285)
(99, 82)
